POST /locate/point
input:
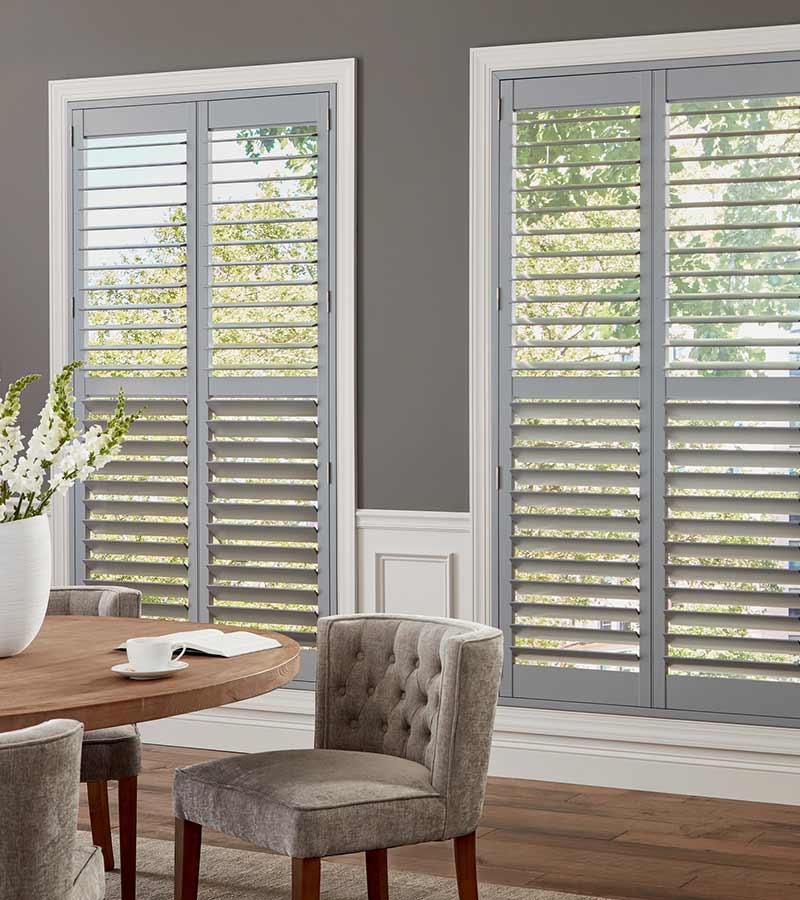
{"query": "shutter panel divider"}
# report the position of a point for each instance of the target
(196, 450)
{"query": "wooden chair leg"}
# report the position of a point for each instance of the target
(127, 837)
(466, 867)
(377, 875)
(305, 879)
(100, 821)
(188, 841)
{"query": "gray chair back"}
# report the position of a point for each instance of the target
(95, 600)
(423, 689)
(39, 809)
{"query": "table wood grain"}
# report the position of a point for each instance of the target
(66, 673)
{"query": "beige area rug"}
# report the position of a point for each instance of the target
(240, 875)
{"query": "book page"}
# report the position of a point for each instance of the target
(214, 642)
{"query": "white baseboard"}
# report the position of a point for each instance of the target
(282, 720)
(420, 562)
(736, 762)
(706, 759)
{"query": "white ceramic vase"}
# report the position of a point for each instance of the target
(24, 581)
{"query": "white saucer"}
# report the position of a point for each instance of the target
(126, 670)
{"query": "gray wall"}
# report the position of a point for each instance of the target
(413, 201)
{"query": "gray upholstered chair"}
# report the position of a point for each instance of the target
(110, 754)
(39, 808)
(405, 709)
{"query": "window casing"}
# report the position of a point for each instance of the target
(645, 415)
(203, 264)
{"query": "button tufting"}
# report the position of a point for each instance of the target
(416, 663)
(384, 728)
(370, 691)
(402, 695)
(342, 691)
(354, 723)
(391, 658)
(359, 656)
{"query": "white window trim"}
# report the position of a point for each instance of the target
(485, 62)
(342, 73)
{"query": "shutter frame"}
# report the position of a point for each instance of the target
(300, 544)
(724, 514)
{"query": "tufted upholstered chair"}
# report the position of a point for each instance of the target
(39, 805)
(404, 716)
(109, 754)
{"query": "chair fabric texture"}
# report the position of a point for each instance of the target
(309, 803)
(404, 715)
(39, 770)
(95, 600)
(88, 874)
(108, 753)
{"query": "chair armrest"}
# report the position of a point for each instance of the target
(95, 600)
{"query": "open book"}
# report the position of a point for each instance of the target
(213, 642)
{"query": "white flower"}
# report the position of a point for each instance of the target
(56, 456)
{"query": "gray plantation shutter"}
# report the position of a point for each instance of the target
(569, 382)
(132, 199)
(265, 250)
(202, 273)
(647, 404)
(732, 580)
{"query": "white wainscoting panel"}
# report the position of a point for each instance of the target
(414, 584)
(414, 562)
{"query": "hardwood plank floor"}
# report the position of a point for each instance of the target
(611, 843)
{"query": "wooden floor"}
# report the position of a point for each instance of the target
(597, 841)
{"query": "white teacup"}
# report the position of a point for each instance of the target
(152, 654)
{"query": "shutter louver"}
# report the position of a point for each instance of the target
(571, 328)
(131, 203)
(733, 420)
(267, 413)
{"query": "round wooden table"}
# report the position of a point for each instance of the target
(66, 674)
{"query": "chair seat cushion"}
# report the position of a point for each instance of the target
(88, 875)
(309, 803)
(109, 754)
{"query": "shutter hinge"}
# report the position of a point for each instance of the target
(73, 307)
(330, 473)
(498, 477)
(72, 135)
(499, 109)
(329, 118)
(497, 293)
(328, 302)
